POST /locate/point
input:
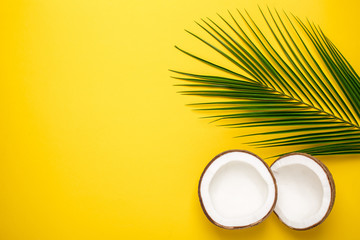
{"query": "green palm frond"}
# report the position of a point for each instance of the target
(291, 80)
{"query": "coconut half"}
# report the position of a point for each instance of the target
(237, 190)
(306, 190)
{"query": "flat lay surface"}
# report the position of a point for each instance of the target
(96, 143)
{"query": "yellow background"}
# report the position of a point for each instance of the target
(95, 143)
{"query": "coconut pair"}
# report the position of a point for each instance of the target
(238, 189)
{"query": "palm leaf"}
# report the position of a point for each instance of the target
(291, 80)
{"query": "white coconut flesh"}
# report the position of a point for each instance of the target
(306, 191)
(237, 190)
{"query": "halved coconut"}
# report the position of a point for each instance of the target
(306, 190)
(237, 190)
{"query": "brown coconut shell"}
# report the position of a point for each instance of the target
(236, 227)
(331, 183)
